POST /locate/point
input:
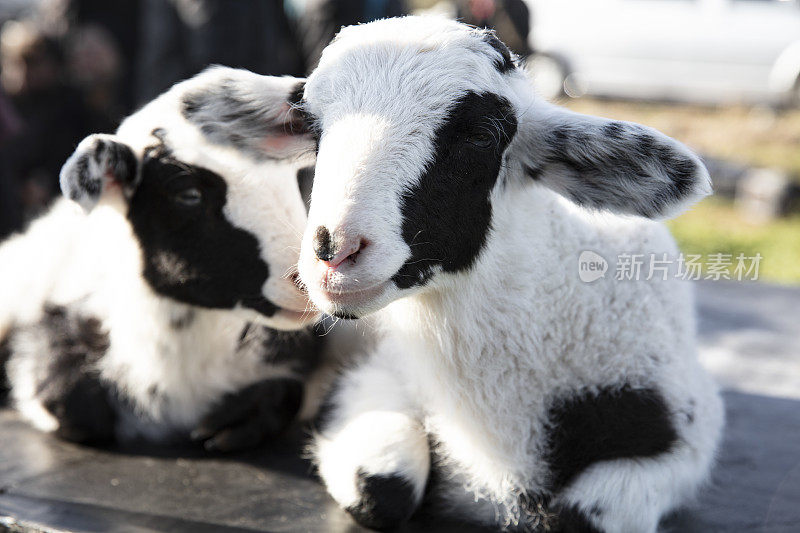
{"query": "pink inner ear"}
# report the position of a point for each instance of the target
(111, 181)
(277, 143)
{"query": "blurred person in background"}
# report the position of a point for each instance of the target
(181, 37)
(53, 115)
(318, 21)
(10, 212)
(102, 43)
(509, 18)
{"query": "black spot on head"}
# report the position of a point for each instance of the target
(192, 252)
(385, 501)
(447, 215)
(605, 425)
(505, 63)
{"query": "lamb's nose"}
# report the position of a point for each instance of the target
(323, 247)
(335, 251)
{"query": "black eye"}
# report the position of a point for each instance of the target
(481, 139)
(189, 197)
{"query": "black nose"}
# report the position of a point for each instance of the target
(323, 248)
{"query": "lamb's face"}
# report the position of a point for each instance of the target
(216, 229)
(425, 127)
(415, 121)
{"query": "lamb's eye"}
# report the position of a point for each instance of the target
(481, 139)
(189, 197)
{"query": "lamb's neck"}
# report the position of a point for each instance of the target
(165, 331)
(487, 310)
(462, 322)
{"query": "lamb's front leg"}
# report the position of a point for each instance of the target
(247, 418)
(372, 451)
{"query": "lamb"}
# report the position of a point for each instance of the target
(451, 204)
(170, 307)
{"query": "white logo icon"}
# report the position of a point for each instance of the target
(591, 266)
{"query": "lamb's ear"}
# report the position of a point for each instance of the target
(605, 164)
(102, 165)
(259, 115)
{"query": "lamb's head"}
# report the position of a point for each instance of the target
(216, 228)
(424, 127)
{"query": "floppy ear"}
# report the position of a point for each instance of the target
(606, 164)
(101, 165)
(256, 114)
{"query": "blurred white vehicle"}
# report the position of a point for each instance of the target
(710, 51)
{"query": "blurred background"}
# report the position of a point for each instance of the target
(722, 76)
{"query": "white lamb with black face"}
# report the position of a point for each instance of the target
(452, 204)
(156, 312)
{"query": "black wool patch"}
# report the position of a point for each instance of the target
(192, 252)
(300, 350)
(447, 215)
(609, 424)
(385, 501)
(70, 388)
(247, 418)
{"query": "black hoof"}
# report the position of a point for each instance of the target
(84, 412)
(387, 501)
(248, 418)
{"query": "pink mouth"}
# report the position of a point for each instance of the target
(348, 299)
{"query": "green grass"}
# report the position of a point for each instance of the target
(714, 226)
